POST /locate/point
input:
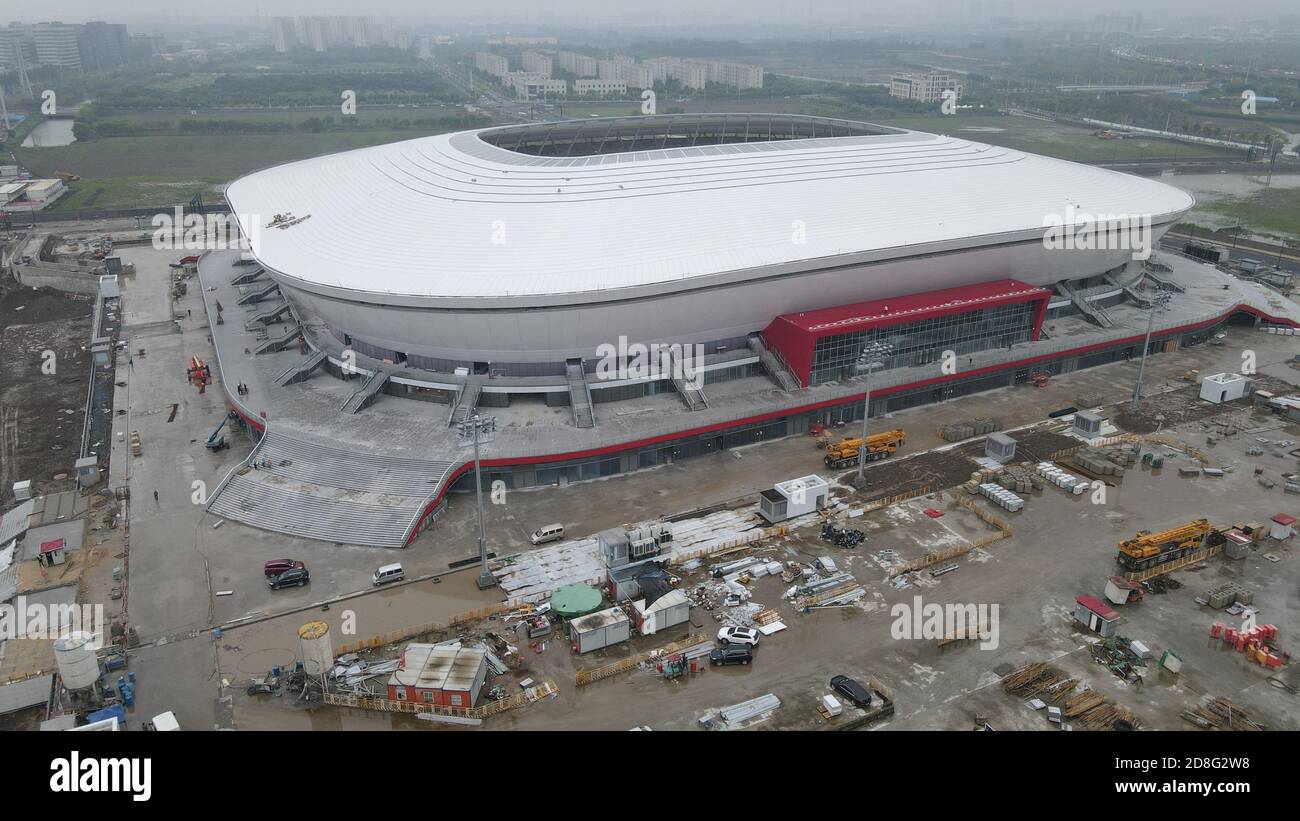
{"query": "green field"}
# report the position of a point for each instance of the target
(1274, 211)
(188, 158)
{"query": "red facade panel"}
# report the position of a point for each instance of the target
(794, 336)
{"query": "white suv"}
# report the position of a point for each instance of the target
(738, 635)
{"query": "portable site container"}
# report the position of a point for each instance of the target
(600, 629)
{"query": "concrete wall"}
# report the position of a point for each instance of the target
(58, 277)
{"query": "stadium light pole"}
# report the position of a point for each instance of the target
(869, 360)
(473, 430)
(1158, 300)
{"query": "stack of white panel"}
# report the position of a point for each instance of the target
(1001, 496)
(1061, 478)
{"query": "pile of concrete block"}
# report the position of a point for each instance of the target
(1105, 461)
(1001, 496)
(1226, 594)
(1062, 478)
(1019, 479)
(965, 430)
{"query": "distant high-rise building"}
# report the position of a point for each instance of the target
(535, 63)
(493, 64)
(103, 45)
(922, 88)
(284, 33)
(579, 64)
(57, 45)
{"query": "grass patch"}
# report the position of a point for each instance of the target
(136, 192)
(1272, 211)
(188, 158)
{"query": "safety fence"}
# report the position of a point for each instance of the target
(431, 627)
(545, 689)
(748, 538)
(587, 676)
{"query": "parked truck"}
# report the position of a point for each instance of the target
(844, 453)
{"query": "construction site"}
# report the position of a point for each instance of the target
(1129, 564)
(1175, 538)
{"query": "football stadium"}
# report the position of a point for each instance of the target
(772, 264)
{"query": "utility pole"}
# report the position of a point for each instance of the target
(869, 360)
(473, 430)
(1159, 300)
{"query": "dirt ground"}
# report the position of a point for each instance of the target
(1180, 406)
(41, 414)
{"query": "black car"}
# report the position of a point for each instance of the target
(731, 654)
(290, 578)
(851, 690)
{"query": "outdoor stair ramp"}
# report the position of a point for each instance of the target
(275, 344)
(305, 486)
(773, 365)
(365, 396)
(246, 276)
(693, 397)
(300, 371)
(268, 316)
(259, 293)
(1097, 315)
(466, 402)
(580, 395)
(1138, 298)
(1164, 284)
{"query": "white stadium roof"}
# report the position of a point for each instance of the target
(454, 215)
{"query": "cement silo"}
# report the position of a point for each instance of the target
(77, 660)
(317, 648)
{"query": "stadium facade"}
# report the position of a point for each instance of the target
(514, 250)
(495, 270)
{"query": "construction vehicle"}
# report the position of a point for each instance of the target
(67, 176)
(1146, 550)
(217, 439)
(199, 374)
(844, 453)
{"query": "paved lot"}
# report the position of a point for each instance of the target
(178, 561)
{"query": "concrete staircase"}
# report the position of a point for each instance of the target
(773, 366)
(259, 293)
(279, 343)
(300, 371)
(692, 396)
(366, 395)
(315, 489)
(1092, 312)
(247, 275)
(580, 395)
(268, 316)
(466, 402)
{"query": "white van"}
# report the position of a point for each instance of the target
(389, 573)
(547, 533)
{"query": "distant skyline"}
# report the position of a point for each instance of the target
(616, 13)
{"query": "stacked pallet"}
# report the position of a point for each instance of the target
(1061, 478)
(1105, 461)
(1001, 496)
(1227, 593)
(1019, 479)
(965, 430)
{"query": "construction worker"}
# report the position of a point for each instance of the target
(155, 495)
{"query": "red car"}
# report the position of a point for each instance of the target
(278, 566)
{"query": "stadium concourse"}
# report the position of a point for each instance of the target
(368, 460)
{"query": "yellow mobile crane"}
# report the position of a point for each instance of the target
(1146, 550)
(844, 453)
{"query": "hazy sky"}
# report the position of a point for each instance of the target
(617, 12)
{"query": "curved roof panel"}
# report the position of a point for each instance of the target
(518, 211)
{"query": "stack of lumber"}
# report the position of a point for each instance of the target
(1036, 679)
(1222, 714)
